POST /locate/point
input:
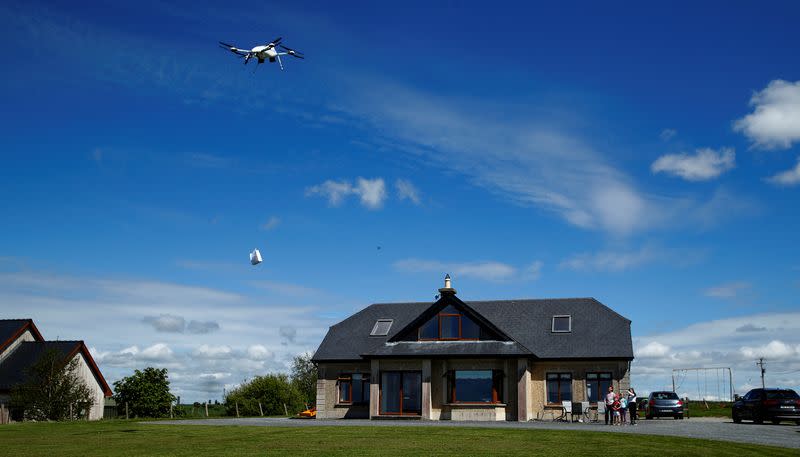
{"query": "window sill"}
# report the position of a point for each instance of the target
(349, 405)
(477, 405)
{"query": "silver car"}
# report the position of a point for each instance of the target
(661, 404)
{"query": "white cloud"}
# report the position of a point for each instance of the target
(652, 349)
(731, 342)
(407, 191)
(667, 134)
(775, 121)
(158, 352)
(704, 165)
(790, 177)
(728, 290)
(259, 352)
(290, 333)
(485, 270)
(610, 260)
(271, 223)
(213, 352)
(371, 192)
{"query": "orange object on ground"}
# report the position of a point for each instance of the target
(309, 413)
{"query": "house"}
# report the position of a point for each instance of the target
(474, 360)
(21, 346)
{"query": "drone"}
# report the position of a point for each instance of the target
(264, 52)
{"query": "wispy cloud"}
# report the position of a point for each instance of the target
(406, 190)
(667, 134)
(790, 177)
(484, 270)
(371, 192)
(704, 165)
(728, 290)
(272, 223)
(610, 260)
(775, 120)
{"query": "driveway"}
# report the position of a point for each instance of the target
(784, 435)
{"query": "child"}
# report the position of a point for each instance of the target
(615, 408)
(623, 410)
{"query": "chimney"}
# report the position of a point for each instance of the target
(447, 289)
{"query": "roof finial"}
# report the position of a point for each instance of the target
(448, 288)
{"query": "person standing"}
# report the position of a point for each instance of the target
(632, 405)
(623, 409)
(609, 400)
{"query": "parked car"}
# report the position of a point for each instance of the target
(774, 405)
(660, 404)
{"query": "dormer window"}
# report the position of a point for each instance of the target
(450, 324)
(562, 324)
(381, 327)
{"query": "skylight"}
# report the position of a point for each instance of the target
(381, 327)
(562, 324)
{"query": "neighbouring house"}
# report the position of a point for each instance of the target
(21, 345)
(473, 360)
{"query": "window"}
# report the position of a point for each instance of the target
(559, 387)
(381, 327)
(354, 388)
(449, 324)
(597, 385)
(475, 386)
(562, 324)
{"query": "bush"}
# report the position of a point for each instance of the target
(273, 391)
(146, 393)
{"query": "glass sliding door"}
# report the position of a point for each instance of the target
(401, 392)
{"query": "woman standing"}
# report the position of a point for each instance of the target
(632, 405)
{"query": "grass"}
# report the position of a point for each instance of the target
(129, 438)
(715, 409)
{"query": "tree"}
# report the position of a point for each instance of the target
(53, 391)
(146, 393)
(304, 377)
(272, 391)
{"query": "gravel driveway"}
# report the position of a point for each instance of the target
(784, 435)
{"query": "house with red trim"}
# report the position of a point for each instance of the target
(22, 345)
(472, 360)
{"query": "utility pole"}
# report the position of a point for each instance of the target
(760, 363)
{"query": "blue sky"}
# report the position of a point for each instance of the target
(646, 156)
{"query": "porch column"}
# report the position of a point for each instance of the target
(523, 390)
(426, 389)
(374, 388)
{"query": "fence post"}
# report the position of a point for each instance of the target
(260, 409)
(70, 412)
(170, 412)
(206, 409)
(285, 409)
(237, 409)
(126, 411)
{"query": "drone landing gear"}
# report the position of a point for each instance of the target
(280, 62)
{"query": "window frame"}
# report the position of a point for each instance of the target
(600, 392)
(378, 322)
(553, 323)
(547, 387)
(438, 316)
(497, 388)
(347, 378)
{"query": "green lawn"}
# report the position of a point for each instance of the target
(709, 409)
(129, 438)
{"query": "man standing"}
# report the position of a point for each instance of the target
(609, 404)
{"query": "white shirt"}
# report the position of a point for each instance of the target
(610, 398)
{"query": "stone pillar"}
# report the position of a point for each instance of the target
(426, 389)
(374, 388)
(322, 408)
(523, 390)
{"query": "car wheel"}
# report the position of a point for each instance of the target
(736, 418)
(757, 419)
(680, 416)
(775, 421)
(648, 417)
(797, 422)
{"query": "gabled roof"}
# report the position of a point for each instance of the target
(13, 370)
(11, 329)
(597, 332)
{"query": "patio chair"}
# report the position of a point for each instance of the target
(601, 411)
(566, 409)
(585, 408)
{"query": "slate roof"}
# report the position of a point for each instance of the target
(12, 328)
(597, 331)
(13, 370)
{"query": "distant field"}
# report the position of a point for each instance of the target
(715, 409)
(128, 438)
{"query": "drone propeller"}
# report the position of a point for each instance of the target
(274, 42)
(292, 52)
(232, 49)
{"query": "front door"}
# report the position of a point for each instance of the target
(401, 392)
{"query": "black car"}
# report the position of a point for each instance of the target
(774, 405)
(663, 403)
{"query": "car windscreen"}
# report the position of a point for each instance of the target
(665, 396)
(787, 394)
